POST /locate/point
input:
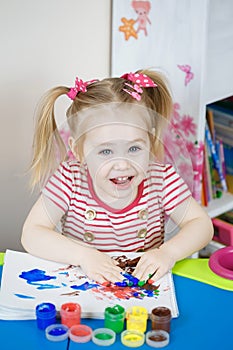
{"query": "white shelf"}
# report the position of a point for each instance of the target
(220, 205)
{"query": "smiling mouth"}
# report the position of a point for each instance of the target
(122, 180)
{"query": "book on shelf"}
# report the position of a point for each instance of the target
(214, 166)
(208, 177)
(223, 126)
(223, 121)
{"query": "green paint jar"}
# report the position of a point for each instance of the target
(114, 318)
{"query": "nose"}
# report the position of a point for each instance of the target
(121, 164)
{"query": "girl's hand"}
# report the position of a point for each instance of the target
(156, 261)
(100, 267)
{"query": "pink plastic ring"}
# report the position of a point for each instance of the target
(221, 262)
(80, 333)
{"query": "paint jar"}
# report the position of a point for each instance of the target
(114, 318)
(70, 314)
(45, 315)
(136, 317)
(161, 318)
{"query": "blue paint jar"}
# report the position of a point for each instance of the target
(45, 315)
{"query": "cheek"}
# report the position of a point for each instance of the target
(97, 168)
(142, 163)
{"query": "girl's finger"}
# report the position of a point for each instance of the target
(113, 277)
(143, 274)
(141, 266)
(158, 274)
(99, 278)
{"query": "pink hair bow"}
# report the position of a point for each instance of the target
(80, 85)
(139, 80)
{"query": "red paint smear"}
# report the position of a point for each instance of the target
(116, 291)
(150, 281)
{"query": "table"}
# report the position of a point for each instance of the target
(205, 322)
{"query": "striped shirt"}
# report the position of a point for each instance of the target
(139, 226)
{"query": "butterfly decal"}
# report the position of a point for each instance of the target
(189, 75)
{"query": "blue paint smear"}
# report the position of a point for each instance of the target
(44, 286)
(22, 296)
(85, 286)
(64, 273)
(35, 276)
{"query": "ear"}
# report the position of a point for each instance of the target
(73, 147)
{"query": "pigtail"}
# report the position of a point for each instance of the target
(158, 99)
(48, 147)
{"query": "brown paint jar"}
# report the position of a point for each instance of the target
(161, 318)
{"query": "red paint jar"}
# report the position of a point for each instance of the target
(161, 318)
(70, 314)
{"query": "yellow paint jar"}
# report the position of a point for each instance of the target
(136, 318)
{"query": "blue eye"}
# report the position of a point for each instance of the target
(134, 149)
(105, 152)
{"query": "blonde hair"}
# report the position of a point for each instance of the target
(48, 146)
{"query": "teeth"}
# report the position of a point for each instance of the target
(121, 180)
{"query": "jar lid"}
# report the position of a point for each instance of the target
(157, 338)
(57, 332)
(80, 333)
(103, 336)
(132, 338)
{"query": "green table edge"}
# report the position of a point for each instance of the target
(1, 258)
(199, 270)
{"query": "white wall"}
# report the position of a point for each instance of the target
(44, 43)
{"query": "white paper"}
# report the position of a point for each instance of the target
(18, 298)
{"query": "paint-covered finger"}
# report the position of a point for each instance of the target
(142, 273)
(160, 272)
(112, 275)
(149, 273)
(117, 269)
(99, 278)
(140, 268)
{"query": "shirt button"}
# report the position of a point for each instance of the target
(143, 214)
(140, 250)
(90, 214)
(142, 233)
(88, 236)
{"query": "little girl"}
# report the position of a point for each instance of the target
(115, 194)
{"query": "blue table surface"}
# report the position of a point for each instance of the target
(205, 322)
